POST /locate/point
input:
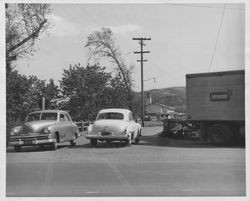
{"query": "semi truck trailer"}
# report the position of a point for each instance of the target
(216, 101)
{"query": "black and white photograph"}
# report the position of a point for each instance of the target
(124, 100)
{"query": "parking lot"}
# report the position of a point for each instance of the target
(158, 166)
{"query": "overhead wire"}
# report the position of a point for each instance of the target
(199, 5)
(217, 39)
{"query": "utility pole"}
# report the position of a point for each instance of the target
(43, 103)
(141, 40)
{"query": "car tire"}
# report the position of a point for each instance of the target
(73, 142)
(137, 139)
(54, 146)
(17, 148)
(93, 142)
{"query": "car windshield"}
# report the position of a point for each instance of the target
(49, 116)
(33, 117)
(44, 116)
(111, 115)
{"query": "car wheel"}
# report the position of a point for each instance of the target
(17, 148)
(54, 145)
(73, 142)
(137, 139)
(93, 142)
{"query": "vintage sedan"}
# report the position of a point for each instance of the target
(114, 125)
(46, 127)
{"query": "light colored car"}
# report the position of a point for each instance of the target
(114, 125)
(46, 127)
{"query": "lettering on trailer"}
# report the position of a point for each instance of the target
(220, 96)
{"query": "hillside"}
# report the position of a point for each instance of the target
(174, 96)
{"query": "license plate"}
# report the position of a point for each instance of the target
(105, 133)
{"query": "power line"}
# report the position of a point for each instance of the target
(204, 6)
(217, 39)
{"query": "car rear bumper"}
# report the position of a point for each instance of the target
(108, 137)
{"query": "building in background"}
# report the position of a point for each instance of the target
(157, 111)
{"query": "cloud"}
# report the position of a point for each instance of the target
(62, 27)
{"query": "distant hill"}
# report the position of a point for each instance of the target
(174, 96)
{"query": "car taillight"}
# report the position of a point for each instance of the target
(124, 132)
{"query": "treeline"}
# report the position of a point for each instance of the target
(82, 91)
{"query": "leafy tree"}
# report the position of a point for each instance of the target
(24, 25)
(90, 89)
(26, 94)
(85, 88)
(37, 90)
(18, 85)
(101, 44)
(51, 92)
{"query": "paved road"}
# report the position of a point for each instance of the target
(156, 167)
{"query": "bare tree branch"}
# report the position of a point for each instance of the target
(32, 35)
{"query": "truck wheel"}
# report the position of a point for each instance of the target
(93, 142)
(41, 146)
(17, 148)
(220, 134)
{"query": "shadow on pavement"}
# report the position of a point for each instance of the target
(100, 145)
(159, 140)
(152, 140)
(35, 149)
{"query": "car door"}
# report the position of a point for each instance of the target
(63, 127)
(69, 127)
(132, 125)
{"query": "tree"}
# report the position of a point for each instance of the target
(24, 25)
(51, 93)
(85, 88)
(18, 85)
(24, 94)
(101, 44)
(90, 89)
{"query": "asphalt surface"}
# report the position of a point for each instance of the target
(158, 166)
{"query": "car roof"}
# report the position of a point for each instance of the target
(45, 111)
(120, 110)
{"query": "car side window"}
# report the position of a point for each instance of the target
(66, 117)
(62, 118)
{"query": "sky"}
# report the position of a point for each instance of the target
(185, 38)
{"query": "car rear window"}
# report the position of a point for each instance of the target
(111, 115)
